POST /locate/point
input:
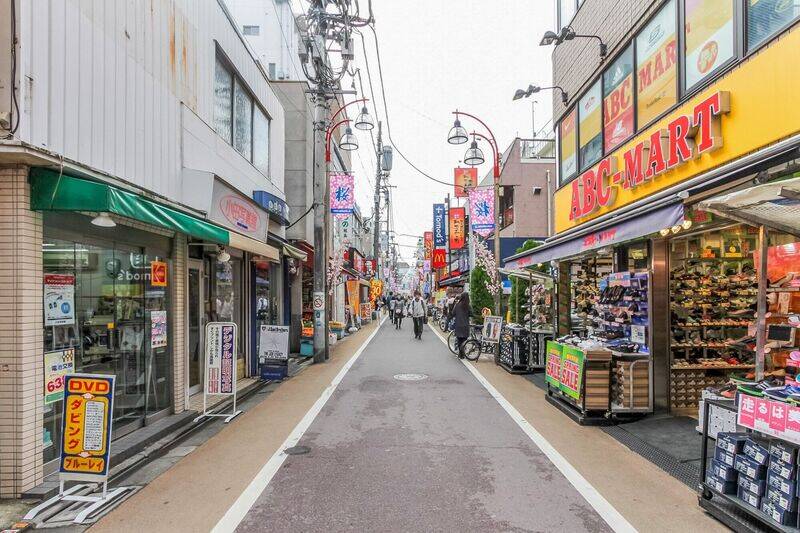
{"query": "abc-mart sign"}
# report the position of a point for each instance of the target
(684, 138)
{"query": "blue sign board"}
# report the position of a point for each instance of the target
(439, 232)
(273, 205)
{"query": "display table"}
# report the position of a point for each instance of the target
(579, 382)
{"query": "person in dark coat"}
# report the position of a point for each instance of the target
(461, 313)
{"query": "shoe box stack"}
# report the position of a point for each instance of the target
(687, 386)
(631, 384)
(597, 377)
(760, 473)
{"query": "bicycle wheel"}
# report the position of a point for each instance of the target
(472, 350)
(452, 343)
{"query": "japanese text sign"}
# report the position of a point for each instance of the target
(221, 339)
(57, 364)
(572, 372)
(553, 364)
(59, 299)
(481, 210)
(774, 418)
(464, 179)
(86, 426)
(428, 244)
(273, 343)
(342, 194)
(439, 231)
(457, 231)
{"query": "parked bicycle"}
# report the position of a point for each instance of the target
(473, 346)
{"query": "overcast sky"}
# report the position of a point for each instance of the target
(439, 55)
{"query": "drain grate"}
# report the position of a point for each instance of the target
(297, 450)
(683, 472)
(410, 377)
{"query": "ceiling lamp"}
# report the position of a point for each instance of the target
(104, 220)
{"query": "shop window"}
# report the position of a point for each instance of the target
(261, 141)
(656, 66)
(708, 38)
(767, 17)
(568, 142)
(618, 119)
(590, 132)
(223, 108)
(242, 121)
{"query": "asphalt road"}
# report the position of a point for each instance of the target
(437, 454)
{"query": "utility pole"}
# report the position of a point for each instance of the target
(320, 296)
(376, 243)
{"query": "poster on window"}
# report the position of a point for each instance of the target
(464, 179)
(589, 126)
(568, 145)
(457, 217)
(158, 329)
(439, 231)
(709, 37)
(221, 338)
(618, 101)
(481, 210)
(273, 343)
(59, 299)
(656, 66)
(342, 198)
(57, 364)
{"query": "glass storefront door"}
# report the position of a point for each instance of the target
(196, 315)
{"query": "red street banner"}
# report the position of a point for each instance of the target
(428, 244)
(439, 258)
(457, 219)
(464, 178)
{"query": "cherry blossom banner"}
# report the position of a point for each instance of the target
(342, 195)
(481, 210)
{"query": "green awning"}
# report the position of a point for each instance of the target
(49, 192)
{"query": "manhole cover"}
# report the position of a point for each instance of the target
(297, 450)
(410, 377)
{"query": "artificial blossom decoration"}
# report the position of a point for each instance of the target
(485, 259)
(335, 265)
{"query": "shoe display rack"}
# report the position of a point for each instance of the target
(713, 302)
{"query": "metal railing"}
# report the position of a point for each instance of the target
(537, 149)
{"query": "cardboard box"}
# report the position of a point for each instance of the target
(720, 485)
(722, 471)
(724, 456)
(781, 500)
(782, 517)
(756, 486)
(731, 442)
(749, 498)
(783, 451)
(756, 450)
(780, 484)
(750, 468)
(781, 469)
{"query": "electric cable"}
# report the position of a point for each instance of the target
(313, 205)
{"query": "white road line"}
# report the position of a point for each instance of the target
(607, 511)
(230, 521)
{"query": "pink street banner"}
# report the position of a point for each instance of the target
(481, 210)
(342, 195)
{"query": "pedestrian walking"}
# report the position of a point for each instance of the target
(392, 304)
(399, 313)
(418, 313)
(461, 313)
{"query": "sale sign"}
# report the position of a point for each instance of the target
(464, 179)
(439, 231)
(342, 199)
(481, 210)
(771, 417)
(57, 364)
(457, 218)
(553, 364)
(86, 426)
(572, 371)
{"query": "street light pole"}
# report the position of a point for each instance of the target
(377, 209)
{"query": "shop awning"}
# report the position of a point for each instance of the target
(294, 253)
(53, 192)
(240, 242)
(599, 237)
(776, 205)
(456, 280)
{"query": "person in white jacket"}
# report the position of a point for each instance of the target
(418, 311)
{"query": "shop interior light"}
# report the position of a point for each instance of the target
(664, 232)
(687, 224)
(104, 220)
(222, 255)
(676, 228)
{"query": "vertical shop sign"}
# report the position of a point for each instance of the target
(572, 371)
(428, 245)
(86, 427)
(57, 364)
(273, 344)
(457, 216)
(59, 299)
(464, 179)
(439, 233)
(221, 358)
(158, 329)
(439, 258)
(342, 194)
(481, 210)
(354, 297)
(553, 364)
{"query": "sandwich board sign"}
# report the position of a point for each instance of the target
(220, 363)
(85, 445)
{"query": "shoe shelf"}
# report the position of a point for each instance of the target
(711, 367)
(783, 289)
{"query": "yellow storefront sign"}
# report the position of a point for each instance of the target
(762, 110)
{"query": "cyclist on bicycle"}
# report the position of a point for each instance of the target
(461, 313)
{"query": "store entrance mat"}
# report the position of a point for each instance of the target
(583, 419)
